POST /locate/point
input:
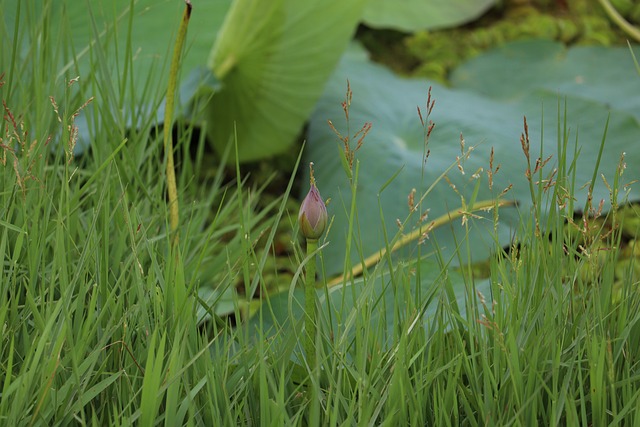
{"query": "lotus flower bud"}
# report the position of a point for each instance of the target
(313, 213)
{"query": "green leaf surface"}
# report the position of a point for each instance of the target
(223, 303)
(104, 34)
(415, 15)
(273, 59)
(596, 74)
(395, 145)
(150, 37)
(144, 29)
(378, 296)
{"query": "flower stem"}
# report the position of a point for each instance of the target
(310, 303)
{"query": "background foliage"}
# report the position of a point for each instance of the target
(102, 325)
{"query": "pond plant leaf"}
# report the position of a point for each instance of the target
(148, 30)
(273, 59)
(113, 31)
(543, 69)
(415, 15)
(378, 295)
(391, 164)
(395, 148)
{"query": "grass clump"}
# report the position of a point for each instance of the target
(102, 325)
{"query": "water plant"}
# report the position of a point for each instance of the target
(313, 221)
(108, 319)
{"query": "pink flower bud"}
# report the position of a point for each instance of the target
(313, 214)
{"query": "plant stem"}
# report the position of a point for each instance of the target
(415, 235)
(172, 188)
(619, 20)
(310, 303)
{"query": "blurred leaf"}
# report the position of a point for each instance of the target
(536, 70)
(153, 30)
(414, 15)
(378, 294)
(221, 302)
(199, 85)
(194, 90)
(273, 59)
(395, 146)
(100, 35)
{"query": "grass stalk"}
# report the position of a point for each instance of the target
(172, 187)
(102, 325)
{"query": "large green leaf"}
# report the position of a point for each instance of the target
(99, 37)
(379, 295)
(273, 59)
(154, 24)
(149, 25)
(544, 69)
(414, 15)
(395, 145)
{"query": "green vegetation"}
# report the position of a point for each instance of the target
(435, 53)
(105, 322)
(478, 120)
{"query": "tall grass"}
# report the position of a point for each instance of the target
(101, 326)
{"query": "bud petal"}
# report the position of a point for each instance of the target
(313, 214)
